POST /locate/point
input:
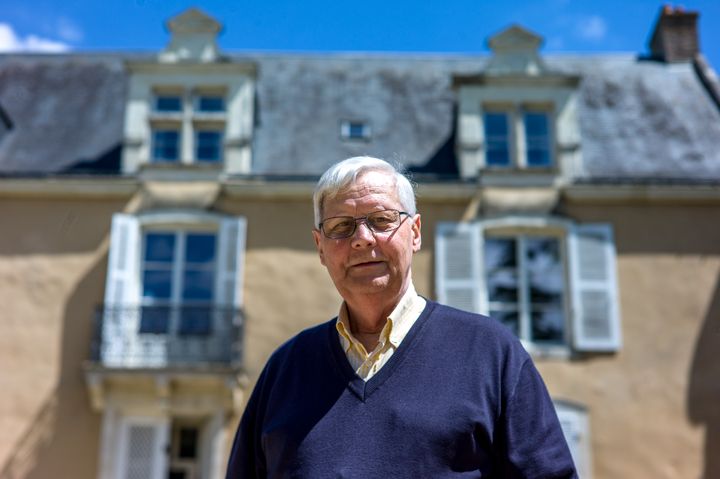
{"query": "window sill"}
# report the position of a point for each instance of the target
(549, 352)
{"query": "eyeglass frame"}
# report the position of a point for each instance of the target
(364, 220)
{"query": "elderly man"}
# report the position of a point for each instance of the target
(396, 385)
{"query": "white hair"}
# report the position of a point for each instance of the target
(341, 175)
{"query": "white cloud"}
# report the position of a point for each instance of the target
(12, 42)
(68, 30)
(592, 28)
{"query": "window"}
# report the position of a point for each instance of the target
(354, 130)
(200, 114)
(210, 103)
(168, 103)
(174, 289)
(520, 138)
(208, 146)
(184, 450)
(537, 139)
(497, 139)
(526, 286)
(576, 429)
(165, 145)
(552, 282)
(178, 268)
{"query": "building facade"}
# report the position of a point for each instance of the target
(156, 248)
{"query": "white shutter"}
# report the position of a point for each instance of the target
(596, 316)
(122, 291)
(122, 287)
(231, 257)
(576, 429)
(144, 449)
(458, 266)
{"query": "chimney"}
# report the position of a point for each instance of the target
(675, 38)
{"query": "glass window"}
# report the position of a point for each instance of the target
(537, 139)
(208, 146)
(354, 130)
(168, 103)
(165, 145)
(178, 277)
(210, 103)
(526, 285)
(497, 139)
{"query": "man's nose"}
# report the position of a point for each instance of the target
(363, 235)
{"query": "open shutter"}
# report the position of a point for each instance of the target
(143, 449)
(596, 316)
(122, 291)
(576, 429)
(231, 257)
(122, 286)
(458, 266)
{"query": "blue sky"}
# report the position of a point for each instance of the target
(460, 26)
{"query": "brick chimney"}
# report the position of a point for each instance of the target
(675, 38)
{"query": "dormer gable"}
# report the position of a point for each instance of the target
(515, 52)
(193, 38)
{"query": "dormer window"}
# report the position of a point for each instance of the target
(518, 137)
(354, 130)
(517, 118)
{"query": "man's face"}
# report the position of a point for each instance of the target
(367, 262)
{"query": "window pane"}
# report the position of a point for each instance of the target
(168, 103)
(188, 443)
(501, 269)
(548, 325)
(500, 253)
(211, 103)
(509, 319)
(195, 320)
(154, 319)
(537, 137)
(208, 146)
(159, 247)
(198, 285)
(200, 248)
(497, 139)
(157, 284)
(165, 145)
(544, 270)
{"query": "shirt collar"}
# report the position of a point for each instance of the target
(398, 322)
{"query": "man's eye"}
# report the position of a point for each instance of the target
(342, 225)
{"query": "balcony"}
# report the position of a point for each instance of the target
(177, 336)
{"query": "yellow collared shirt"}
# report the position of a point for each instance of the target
(365, 364)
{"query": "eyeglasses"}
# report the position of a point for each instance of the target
(339, 227)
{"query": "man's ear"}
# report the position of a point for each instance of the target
(317, 237)
(417, 236)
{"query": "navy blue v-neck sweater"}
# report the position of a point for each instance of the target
(459, 398)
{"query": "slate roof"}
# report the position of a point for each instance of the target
(638, 118)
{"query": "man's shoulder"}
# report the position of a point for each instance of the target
(487, 335)
(309, 338)
(466, 320)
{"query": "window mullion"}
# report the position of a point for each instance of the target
(524, 294)
(177, 282)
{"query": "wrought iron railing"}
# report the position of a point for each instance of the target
(166, 336)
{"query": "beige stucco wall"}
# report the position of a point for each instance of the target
(52, 272)
(649, 405)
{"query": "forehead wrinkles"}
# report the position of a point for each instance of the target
(369, 187)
